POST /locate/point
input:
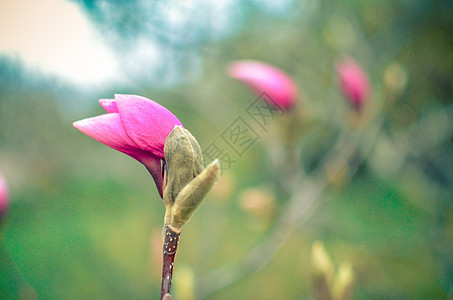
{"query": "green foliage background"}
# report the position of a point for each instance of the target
(82, 214)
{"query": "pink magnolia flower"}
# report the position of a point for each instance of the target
(136, 126)
(354, 81)
(262, 77)
(4, 195)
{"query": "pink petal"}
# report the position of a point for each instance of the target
(4, 195)
(153, 164)
(109, 105)
(354, 81)
(262, 77)
(146, 122)
(109, 130)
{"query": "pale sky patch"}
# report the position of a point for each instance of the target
(55, 37)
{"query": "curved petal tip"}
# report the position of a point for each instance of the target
(265, 78)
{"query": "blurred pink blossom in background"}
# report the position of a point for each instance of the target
(4, 195)
(262, 77)
(354, 82)
(136, 126)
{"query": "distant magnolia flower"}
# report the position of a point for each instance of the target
(4, 195)
(136, 126)
(262, 77)
(354, 82)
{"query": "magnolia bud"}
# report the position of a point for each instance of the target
(193, 194)
(184, 161)
(395, 78)
(4, 199)
(258, 203)
(322, 272)
(344, 281)
(354, 82)
(185, 181)
(320, 261)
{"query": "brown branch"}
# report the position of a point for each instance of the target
(169, 250)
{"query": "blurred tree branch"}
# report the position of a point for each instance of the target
(302, 204)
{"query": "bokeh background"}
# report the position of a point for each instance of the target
(85, 221)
